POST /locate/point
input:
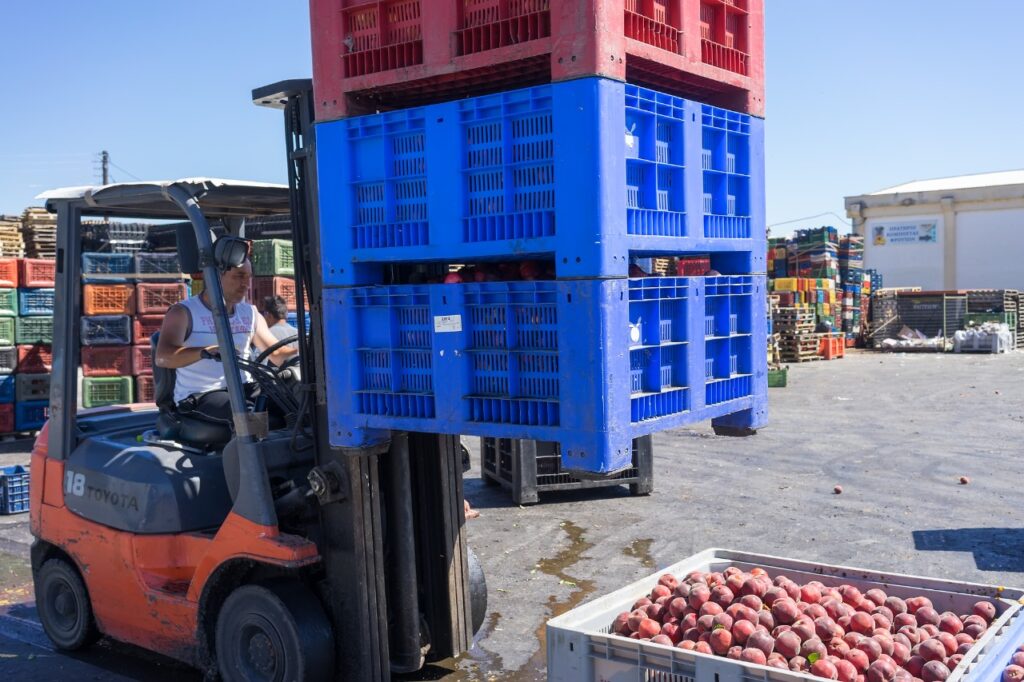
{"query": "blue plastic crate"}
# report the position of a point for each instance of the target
(7, 387)
(14, 481)
(590, 364)
(582, 171)
(996, 656)
(106, 330)
(293, 320)
(35, 301)
(107, 264)
(31, 415)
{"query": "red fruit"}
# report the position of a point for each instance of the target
(752, 655)
(951, 623)
(734, 652)
(858, 659)
(741, 612)
(759, 639)
(710, 608)
(881, 671)
(965, 647)
(732, 570)
(931, 650)
(884, 640)
(851, 595)
(784, 610)
(788, 644)
(752, 601)
(620, 625)
(837, 647)
(759, 572)
(754, 586)
(881, 622)
(682, 590)
(862, 623)
(714, 579)
(705, 623)
(777, 661)
(896, 605)
(1017, 658)
(915, 665)
(773, 594)
(974, 618)
(825, 669)
(692, 634)
(741, 631)
(926, 615)
(735, 582)
(765, 619)
(529, 269)
(948, 641)
(929, 630)
(900, 653)
(810, 594)
(803, 629)
(686, 644)
(660, 591)
(722, 620)
(1013, 673)
(798, 664)
(975, 630)
(722, 596)
(703, 648)
(779, 629)
(985, 609)
(648, 628)
(695, 577)
(635, 618)
(688, 621)
(846, 672)
(641, 603)
(453, 278)
(934, 671)
(953, 661)
(721, 640)
(870, 647)
(914, 604)
(902, 620)
(876, 595)
(852, 638)
(663, 601)
(669, 581)
(677, 607)
(825, 628)
(884, 611)
(815, 611)
(699, 595)
(813, 646)
(654, 612)
(672, 631)
(900, 638)
(663, 640)
(792, 590)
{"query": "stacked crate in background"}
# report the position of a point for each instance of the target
(551, 178)
(34, 338)
(273, 272)
(851, 276)
(160, 285)
(39, 233)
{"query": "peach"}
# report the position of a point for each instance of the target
(732, 570)
(686, 644)
(635, 618)
(721, 640)
(648, 628)
(851, 639)
(620, 625)
(722, 620)
(703, 648)
(914, 604)
(759, 572)
(788, 644)
(985, 609)
(900, 653)
(926, 615)
(672, 631)
(965, 647)
(660, 591)
(914, 665)
(846, 672)
(663, 601)
(975, 630)
(664, 640)
(883, 623)
(931, 650)
(778, 661)
(885, 643)
(831, 606)
(870, 647)
(714, 579)
(974, 618)
(884, 611)
(876, 595)
(815, 611)
(765, 619)
(934, 671)
(699, 595)
(803, 629)
(798, 664)
(641, 603)
(759, 639)
(753, 655)
(654, 611)
(837, 647)
(705, 623)
(951, 623)
(1017, 658)
(813, 648)
(902, 620)
(953, 661)
(754, 586)
(677, 607)
(825, 669)
(668, 580)
(858, 659)
(900, 638)
(948, 641)
(741, 631)
(752, 601)
(1013, 673)
(862, 623)
(710, 608)
(734, 652)
(682, 590)
(784, 610)
(792, 590)
(881, 671)
(741, 612)
(850, 594)
(692, 634)
(929, 630)
(722, 596)
(688, 621)
(825, 628)
(735, 582)
(774, 593)
(912, 633)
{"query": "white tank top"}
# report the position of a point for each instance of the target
(208, 375)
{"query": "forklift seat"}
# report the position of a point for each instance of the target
(190, 429)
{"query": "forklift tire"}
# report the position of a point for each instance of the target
(477, 590)
(273, 631)
(64, 607)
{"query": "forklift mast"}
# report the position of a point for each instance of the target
(391, 522)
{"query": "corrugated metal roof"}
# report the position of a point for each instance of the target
(1015, 177)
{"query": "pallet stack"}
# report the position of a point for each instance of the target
(798, 341)
(39, 232)
(515, 139)
(11, 243)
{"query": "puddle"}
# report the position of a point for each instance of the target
(15, 580)
(641, 549)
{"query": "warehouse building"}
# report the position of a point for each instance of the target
(950, 233)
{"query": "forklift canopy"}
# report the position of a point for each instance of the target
(218, 198)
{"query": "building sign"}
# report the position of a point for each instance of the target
(896, 234)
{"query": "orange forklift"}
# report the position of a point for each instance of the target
(250, 552)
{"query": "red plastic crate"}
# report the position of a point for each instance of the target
(693, 266)
(34, 273)
(106, 361)
(273, 286)
(35, 359)
(832, 347)
(142, 359)
(7, 418)
(374, 55)
(145, 389)
(144, 326)
(9, 272)
(153, 298)
(108, 299)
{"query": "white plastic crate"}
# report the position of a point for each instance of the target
(580, 647)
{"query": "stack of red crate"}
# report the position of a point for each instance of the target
(374, 55)
(154, 298)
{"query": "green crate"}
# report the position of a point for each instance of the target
(978, 319)
(100, 391)
(34, 329)
(7, 337)
(9, 302)
(272, 257)
(777, 377)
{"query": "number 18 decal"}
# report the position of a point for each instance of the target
(74, 484)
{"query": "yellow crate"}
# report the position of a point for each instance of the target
(787, 284)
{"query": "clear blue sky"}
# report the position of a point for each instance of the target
(861, 95)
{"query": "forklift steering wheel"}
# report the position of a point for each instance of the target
(280, 344)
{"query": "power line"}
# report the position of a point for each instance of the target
(130, 175)
(812, 217)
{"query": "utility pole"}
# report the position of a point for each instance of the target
(105, 165)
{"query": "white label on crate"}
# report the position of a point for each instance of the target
(447, 323)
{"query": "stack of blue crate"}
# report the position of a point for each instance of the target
(583, 178)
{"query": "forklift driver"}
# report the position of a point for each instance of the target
(188, 345)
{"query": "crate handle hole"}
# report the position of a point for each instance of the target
(569, 298)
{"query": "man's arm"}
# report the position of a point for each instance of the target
(171, 352)
(264, 339)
